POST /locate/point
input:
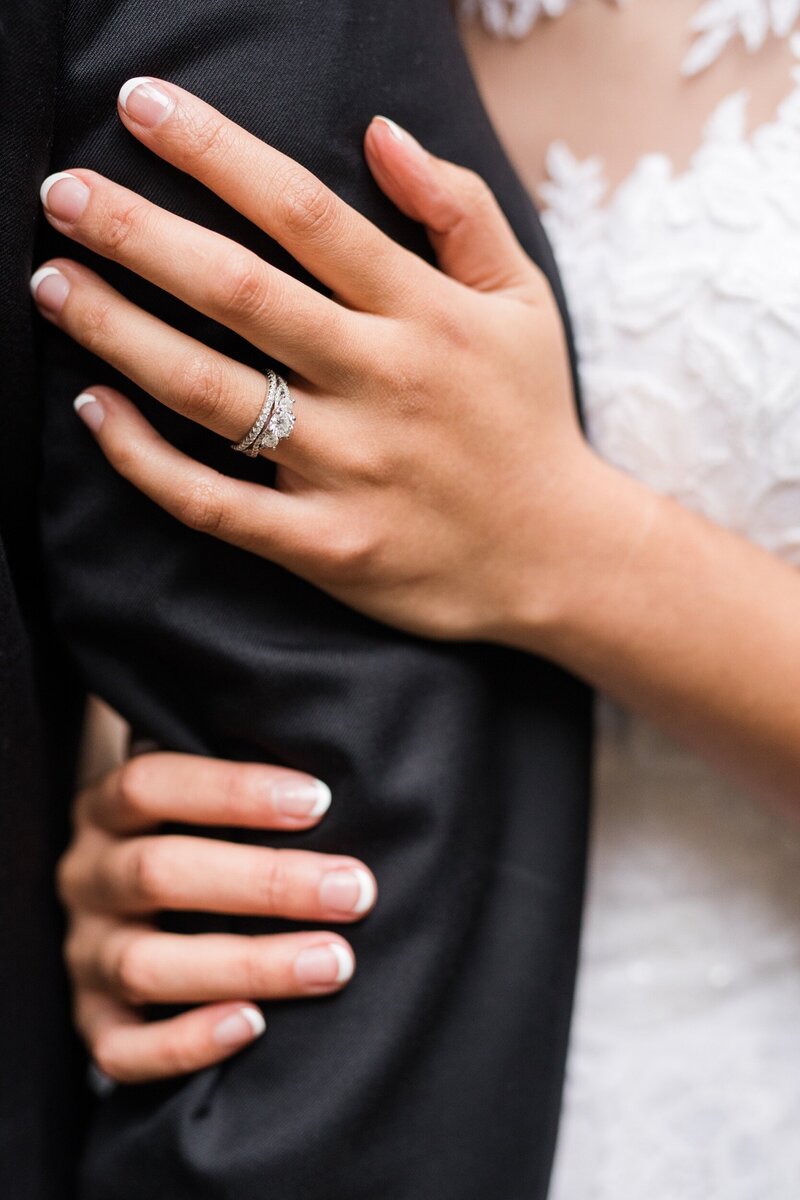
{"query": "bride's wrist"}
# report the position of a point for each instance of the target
(570, 583)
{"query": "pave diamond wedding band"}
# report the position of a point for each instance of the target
(274, 422)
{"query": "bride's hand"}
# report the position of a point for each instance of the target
(119, 871)
(434, 407)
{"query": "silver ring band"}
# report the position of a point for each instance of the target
(275, 420)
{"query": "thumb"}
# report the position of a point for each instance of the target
(472, 238)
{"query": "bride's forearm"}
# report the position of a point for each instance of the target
(682, 621)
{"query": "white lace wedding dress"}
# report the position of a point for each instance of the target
(683, 1079)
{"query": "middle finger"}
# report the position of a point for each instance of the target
(291, 322)
(194, 874)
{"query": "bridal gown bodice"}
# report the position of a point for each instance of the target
(683, 1079)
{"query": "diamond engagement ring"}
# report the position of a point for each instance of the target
(274, 422)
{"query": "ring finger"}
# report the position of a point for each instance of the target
(141, 966)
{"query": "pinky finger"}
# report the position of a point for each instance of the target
(256, 518)
(128, 1049)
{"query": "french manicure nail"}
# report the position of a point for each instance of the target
(321, 965)
(351, 891)
(397, 133)
(240, 1027)
(90, 410)
(402, 135)
(64, 196)
(145, 102)
(294, 798)
(49, 288)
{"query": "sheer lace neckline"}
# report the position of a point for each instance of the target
(576, 189)
(715, 24)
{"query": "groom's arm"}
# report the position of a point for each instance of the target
(43, 1099)
(438, 1073)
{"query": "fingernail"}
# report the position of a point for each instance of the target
(397, 133)
(64, 196)
(351, 891)
(321, 965)
(145, 102)
(49, 288)
(296, 798)
(240, 1027)
(90, 410)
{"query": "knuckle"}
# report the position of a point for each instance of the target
(241, 286)
(199, 386)
(96, 325)
(105, 1051)
(133, 787)
(149, 871)
(410, 388)
(452, 326)
(202, 507)
(125, 456)
(272, 884)
(116, 225)
(306, 208)
(252, 971)
(178, 1054)
(476, 192)
(82, 810)
(72, 953)
(372, 466)
(132, 973)
(66, 878)
(352, 552)
(207, 137)
(237, 799)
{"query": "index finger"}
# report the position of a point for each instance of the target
(339, 246)
(188, 789)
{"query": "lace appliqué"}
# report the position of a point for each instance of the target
(683, 1075)
(715, 24)
(685, 292)
(718, 22)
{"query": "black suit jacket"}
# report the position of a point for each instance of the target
(43, 1102)
(459, 772)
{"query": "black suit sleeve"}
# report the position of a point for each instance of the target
(42, 1094)
(459, 772)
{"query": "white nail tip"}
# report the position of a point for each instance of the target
(324, 798)
(366, 890)
(395, 130)
(255, 1019)
(130, 85)
(44, 190)
(41, 274)
(85, 398)
(345, 960)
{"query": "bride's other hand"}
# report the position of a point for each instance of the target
(434, 406)
(119, 871)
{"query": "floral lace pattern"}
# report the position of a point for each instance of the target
(684, 1070)
(685, 292)
(715, 24)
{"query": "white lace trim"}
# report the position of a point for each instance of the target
(715, 24)
(685, 293)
